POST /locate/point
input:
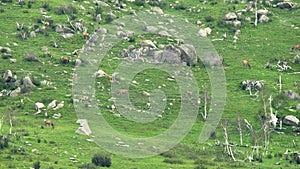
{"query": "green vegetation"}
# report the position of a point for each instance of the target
(32, 144)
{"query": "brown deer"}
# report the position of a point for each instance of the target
(122, 91)
(64, 59)
(297, 46)
(246, 63)
(46, 23)
(85, 35)
(49, 123)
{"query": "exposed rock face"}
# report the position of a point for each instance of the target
(7, 75)
(27, 82)
(188, 54)
(147, 43)
(84, 127)
(211, 60)
(290, 120)
(15, 92)
(172, 55)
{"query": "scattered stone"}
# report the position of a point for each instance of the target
(15, 92)
(292, 95)
(7, 75)
(98, 18)
(171, 55)
(262, 11)
(67, 35)
(286, 5)
(157, 10)
(237, 23)
(27, 82)
(5, 49)
(12, 60)
(298, 106)
(31, 57)
(250, 85)
(147, 43)
(151, 29)
(290, 120)
(230, 16)
(84, 127)
(264, 18)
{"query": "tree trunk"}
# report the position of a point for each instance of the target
(256, 17)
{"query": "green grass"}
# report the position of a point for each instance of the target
(258, 45)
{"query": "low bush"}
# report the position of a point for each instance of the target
(66, 9)
(101, 160)
(88, 166)
(36, 165)
(173, 161)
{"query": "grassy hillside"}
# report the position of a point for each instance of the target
(31, 141)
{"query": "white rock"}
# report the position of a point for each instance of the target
(290, 120)
(11, 60)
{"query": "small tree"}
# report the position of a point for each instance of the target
(36, 165)
(101, 160)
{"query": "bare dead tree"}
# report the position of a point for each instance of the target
(19, 26)
(256, 17)
(11, 124)
(1, 124)
(266, 129)
(227, 148)
(280, 84)
(204, 114)
(239, 128)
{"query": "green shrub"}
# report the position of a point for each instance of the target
(101, 160)
(4, 140)
(180, 6)
(140, 2)
(36, 165)
(209, 19)
(98, 10)
(66, 9)
(173, 161)
(200, 166)
(88, 165)
(46, 6)
(159, 3)
(269, 156)
(5, 1)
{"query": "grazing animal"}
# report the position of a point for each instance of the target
(246, 63)
(85, 35)
(122, 91)
(49, 123)
(64, 59)
(46, 23)
(297, 46)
